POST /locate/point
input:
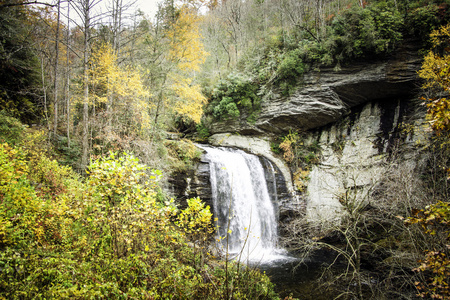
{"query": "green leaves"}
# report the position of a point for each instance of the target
(435, 70)
(227, 107)
(120, 178)
(183, 154)
(291, 65)
(196, 218)
(359, 32)
(234, 95)
(435, 217)
(20, 65)
(107, 238)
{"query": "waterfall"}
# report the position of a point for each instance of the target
(242, 205)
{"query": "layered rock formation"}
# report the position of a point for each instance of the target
(192, 183)
(355, 114)
(326, 95)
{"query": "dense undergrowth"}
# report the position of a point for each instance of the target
(104, 236)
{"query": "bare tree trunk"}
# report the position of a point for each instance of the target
(56, 81)
(44, 89)
(68, 75)
(85, 141)
(91, 133)
(84, 8)
(85, 144)
(116, 12)
(117, 24)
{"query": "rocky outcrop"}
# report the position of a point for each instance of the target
(355, 116)
(191, 183)
(353, 159)
(326, 95)
(356, 153)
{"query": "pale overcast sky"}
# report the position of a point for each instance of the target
(149, 7)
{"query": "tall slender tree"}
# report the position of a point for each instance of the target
(84, 9)
(56, 77)
(67, 91)
(175, 43)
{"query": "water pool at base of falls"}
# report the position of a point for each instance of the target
(299, 276)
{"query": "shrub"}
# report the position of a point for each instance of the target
(435, 221)
(291, 65)
(68, 155)
(106, 238)
(202, 130)
(196, 222)
(422, 21)
(183, 154)
(11, 129)
(19, 203)
(422, 17)
(226, 108)
(233, 95)
(359, 32)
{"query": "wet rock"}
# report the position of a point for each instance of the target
(192, 183)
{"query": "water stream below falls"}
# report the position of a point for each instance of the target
(243, 205)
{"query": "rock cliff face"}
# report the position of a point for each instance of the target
(357, 152)
(327, 95)
(192, 183)
(355, 115)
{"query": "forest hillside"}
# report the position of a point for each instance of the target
(99, 109)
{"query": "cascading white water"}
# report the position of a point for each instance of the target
(242, 205)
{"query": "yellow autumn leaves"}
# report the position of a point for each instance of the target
(118, 86)
(186, 48)
(436, 72)
(190, 99)
(118, 81)
(188, 53)
(112, 84)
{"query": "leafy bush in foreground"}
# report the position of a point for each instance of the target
(107, 237)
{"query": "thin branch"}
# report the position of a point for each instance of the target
(26, 3)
